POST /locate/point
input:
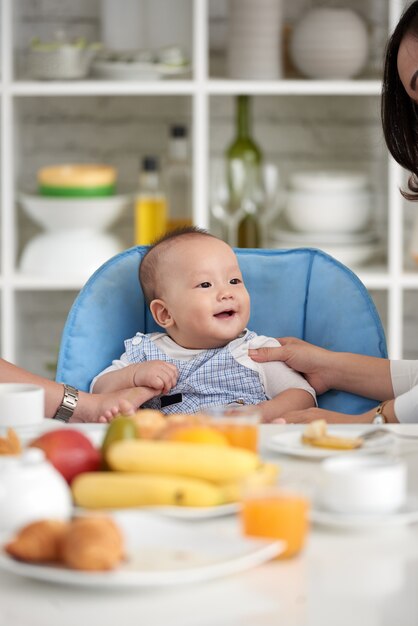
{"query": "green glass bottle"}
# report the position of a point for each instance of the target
(244, 161)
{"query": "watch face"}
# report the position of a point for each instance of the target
(378, 419)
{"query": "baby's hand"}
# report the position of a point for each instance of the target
(159, 375)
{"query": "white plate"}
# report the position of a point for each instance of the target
(291, 443)
(94, 431)
(408, 514)
(162, 552)
(186, 513)
(285, 235)
(121, 70)
(199, 513)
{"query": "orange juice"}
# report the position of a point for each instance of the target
(150, 218)
(274, 514)
(240, 435)
(239, 424)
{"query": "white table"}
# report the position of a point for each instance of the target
(341, 578)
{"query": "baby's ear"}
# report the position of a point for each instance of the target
(161, 314)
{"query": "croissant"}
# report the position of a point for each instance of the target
(10, 444)
(93, 544)
(38, 542)
(316, 435)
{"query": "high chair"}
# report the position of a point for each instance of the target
(301, 292)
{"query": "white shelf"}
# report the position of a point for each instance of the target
(35, 283)
(296, 87)
(102, 88)
(391, 281)
(191, 87)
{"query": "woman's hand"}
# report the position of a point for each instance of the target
(313, 362)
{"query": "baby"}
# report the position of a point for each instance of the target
(195, 291)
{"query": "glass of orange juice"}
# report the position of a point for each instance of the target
(276, 513)
(239, 424)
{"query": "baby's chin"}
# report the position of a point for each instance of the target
(220, 342)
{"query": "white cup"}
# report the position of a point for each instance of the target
(21, 404)
(363, 484)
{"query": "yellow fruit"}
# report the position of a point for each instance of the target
(149, 423)
(100, 490)
(218, 464)
(198, 434)
(266, 474)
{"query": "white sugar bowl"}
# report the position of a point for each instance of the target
(330, 43)
(363, 484)
(31, 489)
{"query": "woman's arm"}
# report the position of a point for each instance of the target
(90, 408)
(325, 369)
(332, 417)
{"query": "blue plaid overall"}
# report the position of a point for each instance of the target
(212, 378)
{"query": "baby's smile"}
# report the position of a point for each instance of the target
(228, 313)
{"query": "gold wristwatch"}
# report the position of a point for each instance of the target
(379, 417)
(68, 404)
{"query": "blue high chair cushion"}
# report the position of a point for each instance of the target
(302, 292)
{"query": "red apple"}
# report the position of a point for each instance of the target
(69, 451)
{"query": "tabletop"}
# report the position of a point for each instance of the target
(342, 577)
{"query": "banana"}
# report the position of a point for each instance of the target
(266, 474)
(99, 490)
(218, 464)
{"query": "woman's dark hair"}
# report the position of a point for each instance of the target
(399, 112)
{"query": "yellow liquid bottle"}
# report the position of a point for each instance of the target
(150, 206)
(150, 219)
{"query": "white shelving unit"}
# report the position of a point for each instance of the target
(389, 282)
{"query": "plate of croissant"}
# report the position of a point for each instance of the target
(130, 549)
(317, 441)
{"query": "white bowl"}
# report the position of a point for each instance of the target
(57, 214)
(363, 484)
(67, 61)
(328, 180)
(71, 254)
(326, 212)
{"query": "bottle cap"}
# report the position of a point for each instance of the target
(150, 164)
(178, 131)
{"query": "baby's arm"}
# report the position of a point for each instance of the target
(158, 375)
(287, 400)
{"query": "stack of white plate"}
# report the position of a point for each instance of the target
(254, 39)
(332, 211)
(352, 249)
(330, 43)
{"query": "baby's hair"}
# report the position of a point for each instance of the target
(148, 268)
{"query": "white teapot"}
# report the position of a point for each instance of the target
(31, 489)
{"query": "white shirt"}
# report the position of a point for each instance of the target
(404, 376)
(275, 376)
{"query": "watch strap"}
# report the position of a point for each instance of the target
(68, 404)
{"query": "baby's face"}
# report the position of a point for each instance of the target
(202, 288)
